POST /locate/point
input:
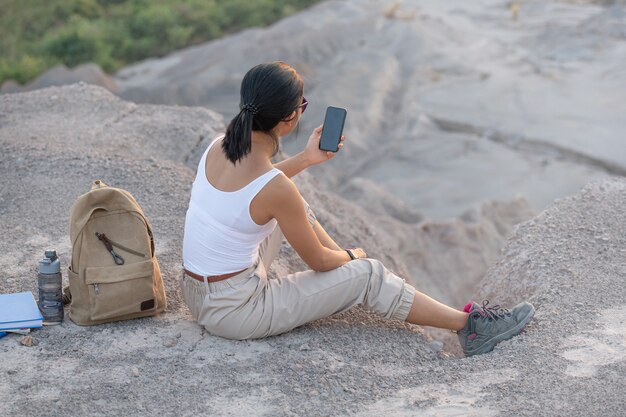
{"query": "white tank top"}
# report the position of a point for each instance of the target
(220, 235)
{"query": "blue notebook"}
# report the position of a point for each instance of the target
(18, 311)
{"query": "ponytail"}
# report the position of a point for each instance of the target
(237, 142)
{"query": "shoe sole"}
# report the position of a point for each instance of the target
(490, 344)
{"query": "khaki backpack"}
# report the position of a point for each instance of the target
(114, 274)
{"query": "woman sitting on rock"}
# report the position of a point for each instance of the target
(242, 205)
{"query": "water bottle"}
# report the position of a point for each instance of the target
(50, 284)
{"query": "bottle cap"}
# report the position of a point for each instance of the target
(50, 264)
(51, 254)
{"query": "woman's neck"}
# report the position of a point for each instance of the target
(262, 145)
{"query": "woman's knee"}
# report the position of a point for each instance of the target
(372, 264)
(375, 274)
(367, 268)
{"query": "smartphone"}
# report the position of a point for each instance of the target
(333, 128)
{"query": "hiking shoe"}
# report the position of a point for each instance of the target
(487, 326)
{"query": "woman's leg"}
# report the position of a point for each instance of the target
(428, 312)
(274, 306)
(425, 311)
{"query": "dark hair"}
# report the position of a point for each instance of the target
(269, 93)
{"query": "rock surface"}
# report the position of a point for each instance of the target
(568, 261)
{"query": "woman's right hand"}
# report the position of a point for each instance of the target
(312, 152)
(358, 253)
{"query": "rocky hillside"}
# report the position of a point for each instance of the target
(568, 261)
(451, 104)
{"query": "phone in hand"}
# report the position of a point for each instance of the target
(333, 128)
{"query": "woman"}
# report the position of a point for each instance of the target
(242, 205)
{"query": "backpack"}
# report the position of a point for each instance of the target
(113, 274)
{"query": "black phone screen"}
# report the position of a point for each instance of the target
(333, 128)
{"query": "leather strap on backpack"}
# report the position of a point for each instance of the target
(98, 184)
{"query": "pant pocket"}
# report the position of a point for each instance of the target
(116, 291)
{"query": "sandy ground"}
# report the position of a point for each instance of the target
(569, 261)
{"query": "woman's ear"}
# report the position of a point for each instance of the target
(292, 117)
(286, 125)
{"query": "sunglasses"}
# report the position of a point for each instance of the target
(304, 104)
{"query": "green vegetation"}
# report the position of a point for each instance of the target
(38, 34)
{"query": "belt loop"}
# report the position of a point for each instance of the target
(206, 283)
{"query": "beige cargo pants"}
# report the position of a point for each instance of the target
(249, 305)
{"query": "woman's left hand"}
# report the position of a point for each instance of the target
(312, 149)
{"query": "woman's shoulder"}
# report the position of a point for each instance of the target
(279, 181)
(280, 187)
(216, 140)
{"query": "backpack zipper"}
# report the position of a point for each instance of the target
(124, 248)
(108, 243)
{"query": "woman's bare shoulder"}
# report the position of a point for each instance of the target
(281, 187)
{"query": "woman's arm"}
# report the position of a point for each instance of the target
(311, 155)
(324, 238)
(328, 242)
(287, 207)
(292, 166)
